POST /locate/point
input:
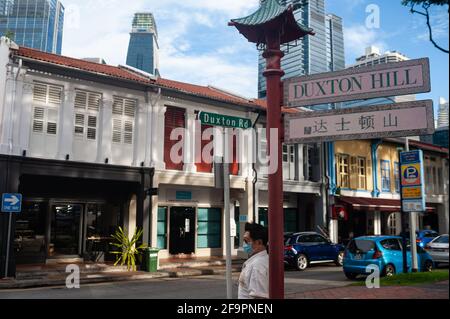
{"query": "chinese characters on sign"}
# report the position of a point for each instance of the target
(412, 181)
(402, 119)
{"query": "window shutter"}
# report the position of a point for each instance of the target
(92, 128)
(117, 130)
(38, 120)
(80, 100)
(79, 124)
(175, 118)
(128, 132)
(353, 172)
(130, 108)
(54, 95)
(94, 101)
(40, 93)
(52, 120)
(202, 166)
(234, 166)
(118, 106)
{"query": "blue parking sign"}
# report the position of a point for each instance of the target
(11, 203)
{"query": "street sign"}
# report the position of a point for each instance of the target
(368, 122)
(412, 181)
(383, 80)
(11, 203)
(224, 121)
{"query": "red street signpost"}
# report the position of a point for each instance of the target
(383, 80)
(368, 122)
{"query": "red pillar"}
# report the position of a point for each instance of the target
(273, 74)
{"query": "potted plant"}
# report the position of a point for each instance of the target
(128, 251)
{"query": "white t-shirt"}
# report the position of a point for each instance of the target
(254, 278)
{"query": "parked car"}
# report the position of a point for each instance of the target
(306, 248)
(382, 251)
(438, 249)
(423, 237)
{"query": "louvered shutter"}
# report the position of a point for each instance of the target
(79, 124)
(175, 118)
(202, 166)
(94, 102)
(54, 95)
(117, 106)
(52, 120)
(38, 120)
(92, 128)
(80, 100)
(353, 172)
(117, 130)
(234, 166)
(40, 93)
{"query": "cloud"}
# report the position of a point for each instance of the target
(358, 37)
(196, 45)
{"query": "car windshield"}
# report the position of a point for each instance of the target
(363, 246)
(431, 235)
(441, 240)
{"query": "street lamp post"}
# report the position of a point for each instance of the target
(271, 26)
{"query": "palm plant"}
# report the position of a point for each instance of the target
(128, 251)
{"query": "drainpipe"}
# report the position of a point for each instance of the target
(255, 172)
(374, 149)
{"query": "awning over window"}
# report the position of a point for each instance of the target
(375, 204)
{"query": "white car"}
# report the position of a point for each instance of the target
(438, 249)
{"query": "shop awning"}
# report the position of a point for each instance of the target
(375, 204)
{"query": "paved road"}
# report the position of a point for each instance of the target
(207, 287)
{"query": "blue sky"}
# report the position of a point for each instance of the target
(198, 47)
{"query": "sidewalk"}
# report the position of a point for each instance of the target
(438, 290)
(33, 276)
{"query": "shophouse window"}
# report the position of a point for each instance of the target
(46, 102)
(343, 170)
(87, 105)
(385, 176)
(175, 118)
(124, 112)
(162, 228)
(397, 176)
(209, 233)
(362, 175)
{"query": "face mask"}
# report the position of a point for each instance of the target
(248, 248)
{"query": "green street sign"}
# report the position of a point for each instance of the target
(224, 121)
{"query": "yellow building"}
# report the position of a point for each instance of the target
(365, 182)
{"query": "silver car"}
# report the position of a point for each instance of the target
(438, 249)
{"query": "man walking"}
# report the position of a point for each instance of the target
(254, 278)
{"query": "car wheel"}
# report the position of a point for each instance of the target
(389, 270)
(428, 267)
(302, 262)
(340, 259)
(350, 275)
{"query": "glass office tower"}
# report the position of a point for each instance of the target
(143, 48)
(312, 54)
(35, 24)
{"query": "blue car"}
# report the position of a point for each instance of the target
(425, 236)
(382, 251)
(304, 249)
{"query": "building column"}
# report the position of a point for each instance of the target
(105, 130)
(130, 217)
(377, 223)
(333, 228)
(7, 119)
(189, 142)
(139, 134)
(18, 115)
(66, 123)
(26, 118)
(300, 163)
(157, 138)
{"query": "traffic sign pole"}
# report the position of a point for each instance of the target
(226, 207)
(8, 243)
(412, 230)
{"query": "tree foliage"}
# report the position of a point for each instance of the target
(425, 5)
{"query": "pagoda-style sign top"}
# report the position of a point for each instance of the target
(269, 17)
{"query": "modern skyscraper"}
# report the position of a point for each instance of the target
(443, 113)
(322, 52)
(36, 24)
(143, 50)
